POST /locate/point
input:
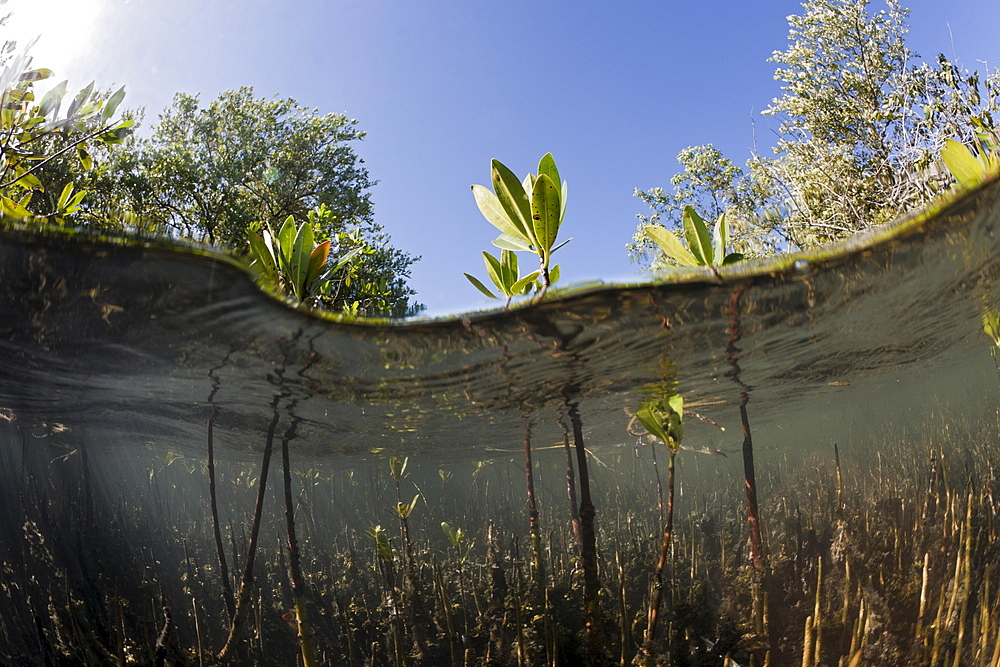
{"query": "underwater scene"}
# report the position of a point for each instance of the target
(788, 462)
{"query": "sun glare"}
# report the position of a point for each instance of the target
(64, 29)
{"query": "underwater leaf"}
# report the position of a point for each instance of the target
(696, 233)
(991, 325)
(397, 468)
(545, 213)
(670, 245)
(404, 510)
(652, 422)
(480, 286)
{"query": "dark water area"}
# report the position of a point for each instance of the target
(851, 394)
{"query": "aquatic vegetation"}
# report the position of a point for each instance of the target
(467, 491)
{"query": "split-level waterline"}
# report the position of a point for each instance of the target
(195, 473)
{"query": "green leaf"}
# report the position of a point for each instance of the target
(115, 135)
(495, 272)
(50, 103)
(508, 268)
(30, 182)
(64, 196)
(696, 233)
(554, 275)
(670, 245)
(562, 201)
(79, 100)
(73, 205)
(260, 250)
(524, 283)
(545, 214)
(480, 286)
(85, 160)
(11, 208)
(962, 164)
(732, 258)
(508, 242)
(552, 252)
(35, 74)
(494, 213)
(514, 200)
(720, 237)
(286, 239)
(652, 421)
(112, 104)
(300, 260)
(547, 166)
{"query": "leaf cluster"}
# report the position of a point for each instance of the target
(292, 260)
(528, 213)
(703, 249)
(861, 127)
(35, 134)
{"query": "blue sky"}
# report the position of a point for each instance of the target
(613, 90)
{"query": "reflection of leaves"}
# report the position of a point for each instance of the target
(383, 547)
(404, 510)
(397, 468)
(664, 419)
(662, 415)
(991, 325)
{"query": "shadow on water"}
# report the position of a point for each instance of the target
(195, 473)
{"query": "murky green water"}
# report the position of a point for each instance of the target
(119, 361)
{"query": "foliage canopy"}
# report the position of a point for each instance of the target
(226, 172)
(861, 126)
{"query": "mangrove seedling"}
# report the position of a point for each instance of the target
(663, 417)
(528, 214)
(506, 277)
(292, 260)
(703, 248)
